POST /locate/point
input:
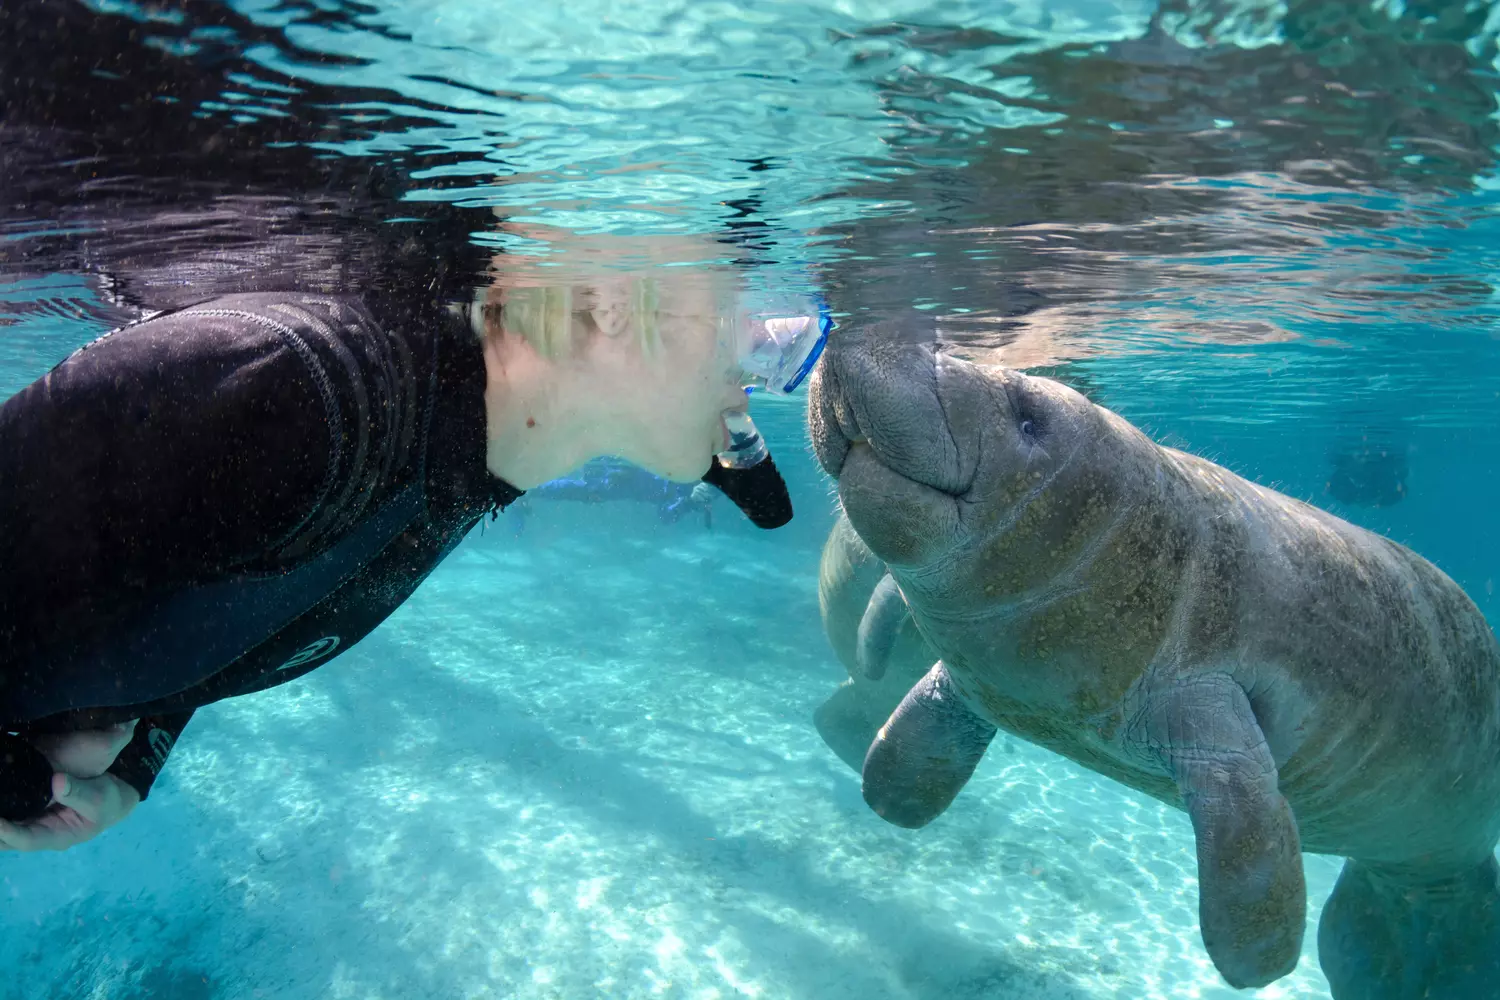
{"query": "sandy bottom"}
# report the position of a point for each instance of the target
(583, 764)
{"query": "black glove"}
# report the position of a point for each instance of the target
(759, 491)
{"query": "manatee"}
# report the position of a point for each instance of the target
(875, 638)
(1292, 682)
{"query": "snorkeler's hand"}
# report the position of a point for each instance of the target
(86, 753)
(85, 800)
(82, 808)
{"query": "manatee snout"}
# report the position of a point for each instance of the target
(900, 426)
(889, 396)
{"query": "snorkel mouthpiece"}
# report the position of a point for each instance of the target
(779, 347)
(746, 446)
(746, 474)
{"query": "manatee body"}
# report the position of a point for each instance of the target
(1291, 681)
(892, 658)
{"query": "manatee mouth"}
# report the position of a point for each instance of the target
(883, 405)
(863, 469)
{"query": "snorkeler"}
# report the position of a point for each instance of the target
(222, 498)
(309, 406)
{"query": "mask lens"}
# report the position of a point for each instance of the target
(783, 349)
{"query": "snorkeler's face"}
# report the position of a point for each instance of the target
(665, 385)
(676, 390)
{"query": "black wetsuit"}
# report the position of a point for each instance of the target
(227, 495)
(219, 499)
(209, 457)
(303, 426)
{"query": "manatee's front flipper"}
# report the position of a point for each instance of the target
(878, 629)
(844, 721)
(1410, 935)
(924, 754)
(1252, 901)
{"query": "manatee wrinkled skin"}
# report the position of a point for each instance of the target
(848, 576)
(1291, 681)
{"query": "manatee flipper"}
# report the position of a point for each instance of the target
(844, 723)
(1389, 935)
(1252, 900)
(878, 629)
(925, 753)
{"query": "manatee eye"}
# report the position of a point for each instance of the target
(1028, 428)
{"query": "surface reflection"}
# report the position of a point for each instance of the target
(1324, 175)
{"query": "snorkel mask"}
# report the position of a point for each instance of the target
(781, 350)
(776, 352)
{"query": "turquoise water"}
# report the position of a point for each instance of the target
(580, 761)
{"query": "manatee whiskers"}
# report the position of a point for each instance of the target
(1019, 509)
(1062, 584)
(1019, 608)
(1067, 582)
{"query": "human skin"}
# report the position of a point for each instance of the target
(85, 800)
(661, 409)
